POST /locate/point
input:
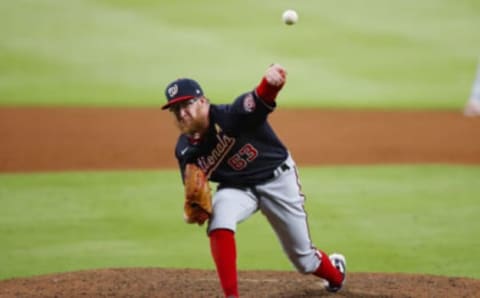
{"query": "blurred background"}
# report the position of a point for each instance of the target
(402, 54)
(345, 54)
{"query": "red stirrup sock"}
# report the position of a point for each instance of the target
(222, 246)
(327, 271)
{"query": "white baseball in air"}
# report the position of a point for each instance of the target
(290, 17)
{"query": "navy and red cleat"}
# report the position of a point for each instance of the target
(340, 263)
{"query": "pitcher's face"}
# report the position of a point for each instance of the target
(190, 116)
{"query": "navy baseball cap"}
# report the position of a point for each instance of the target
(181, 90)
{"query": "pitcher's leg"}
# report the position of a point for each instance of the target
(224, 254)
(289, 221)
(230, 206)
(282, 202)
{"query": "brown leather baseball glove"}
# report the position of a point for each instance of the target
(198, 197)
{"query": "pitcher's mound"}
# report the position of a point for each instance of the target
(155, 282)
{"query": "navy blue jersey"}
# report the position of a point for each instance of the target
(239, 148)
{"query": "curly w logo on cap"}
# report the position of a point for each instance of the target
(172, 91)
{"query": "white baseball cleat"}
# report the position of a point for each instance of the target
(340, 263)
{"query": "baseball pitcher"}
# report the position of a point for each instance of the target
(235, 146)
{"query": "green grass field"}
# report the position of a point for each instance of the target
(378, 54)
(419, 219)
(344, 54)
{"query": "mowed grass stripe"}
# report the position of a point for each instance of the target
(419, 219)
(400, 54)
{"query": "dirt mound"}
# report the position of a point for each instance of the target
(137, 282)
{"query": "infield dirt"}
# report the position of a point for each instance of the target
(58, 139)
(62, 139)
